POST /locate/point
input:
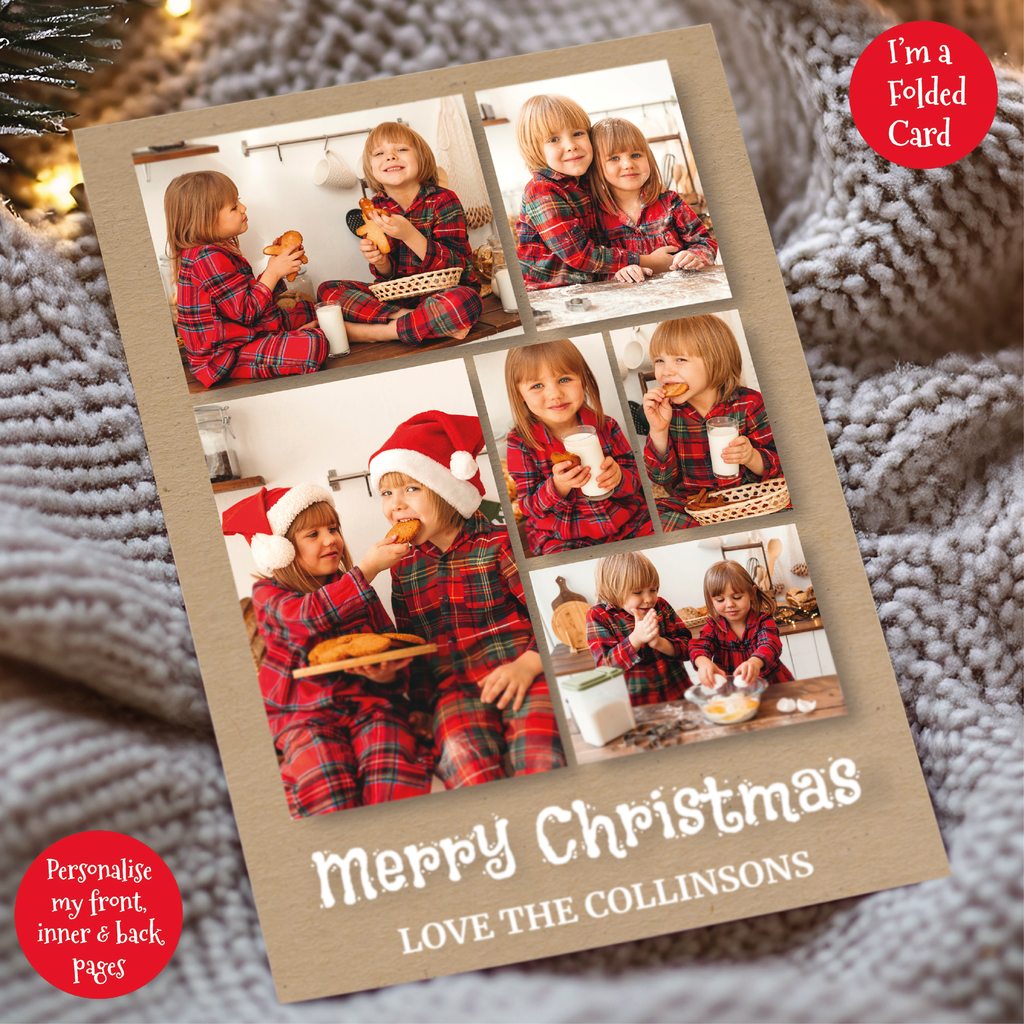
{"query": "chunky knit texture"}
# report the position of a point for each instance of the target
(906, 288)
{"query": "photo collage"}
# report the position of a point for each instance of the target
(497, 481)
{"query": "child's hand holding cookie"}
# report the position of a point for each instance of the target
(380, 556)
(567, 474)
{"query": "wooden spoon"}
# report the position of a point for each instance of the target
(774, 550)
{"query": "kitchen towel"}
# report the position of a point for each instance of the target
(906, 287)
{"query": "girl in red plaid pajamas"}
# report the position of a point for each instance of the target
(634, 212)
(427, 229)
(740, 636)
(551, 390)
(556, 229)
(345, 738)
(702, 353)
(634, 629)
(459, 587)
(228, 318)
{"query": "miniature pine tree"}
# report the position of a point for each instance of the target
(41, 45)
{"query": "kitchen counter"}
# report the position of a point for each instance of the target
(611, 299)
(691, 727)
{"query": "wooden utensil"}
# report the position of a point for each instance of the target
(565, 594)
(569, 624)
(774, 550)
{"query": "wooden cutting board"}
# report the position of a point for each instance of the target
(569, 624)
(367, 659)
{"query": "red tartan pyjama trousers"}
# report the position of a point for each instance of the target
(472, 737)
(349, 761)
(433, 316)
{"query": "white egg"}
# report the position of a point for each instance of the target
(786, 705)
(806, 705)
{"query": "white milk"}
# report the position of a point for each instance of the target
(328, 316)
(722, 430)
(503, 282)
(584, 442)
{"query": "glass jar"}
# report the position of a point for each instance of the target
(214, 427)
(300, 286)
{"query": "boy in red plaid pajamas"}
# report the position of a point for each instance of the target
(701, 352)
(634, 629)
(344, 738)
(556, 229)
(551, 391)
(228, 320)
(426, 227)
(459, 587)
(740, 636)
(633, 211)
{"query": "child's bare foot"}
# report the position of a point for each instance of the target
(459, 335)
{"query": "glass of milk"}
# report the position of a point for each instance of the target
(583, 441)
(722, 430)
(502, 283)
(328, 316)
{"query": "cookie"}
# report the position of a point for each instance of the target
(351, 645)
(286, 241)
(371, 231)
(403, 533)
(405, 638)
(557, 457)
(675, 390)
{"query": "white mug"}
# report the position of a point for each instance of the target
(331, 172)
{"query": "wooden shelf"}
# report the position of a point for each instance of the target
(495, 120)
(237, 485)
(173, 154)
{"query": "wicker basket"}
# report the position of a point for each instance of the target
(744, 501)
(417, 284)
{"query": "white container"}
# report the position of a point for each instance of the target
(600, 704)
(503, 283)
(328, 316)
(722, 430)
(584, 442)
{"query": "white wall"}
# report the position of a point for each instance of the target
(598, 92)
(681, 568)
(621, 338)
(295, 436)
(280, 194)
(490, 369)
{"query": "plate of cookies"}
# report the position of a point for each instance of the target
(354, 649)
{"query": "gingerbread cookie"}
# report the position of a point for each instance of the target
(403, 532)
(286, 241)
(371, 231)
(557, 457)
(677, 389)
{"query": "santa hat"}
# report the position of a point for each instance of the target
(263, 520)
(439, 450)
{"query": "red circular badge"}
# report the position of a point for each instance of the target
(923, 94)
(98, 914)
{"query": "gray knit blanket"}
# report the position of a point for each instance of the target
(906, 287)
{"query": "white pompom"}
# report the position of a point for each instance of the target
(463, 466)
(271, 553)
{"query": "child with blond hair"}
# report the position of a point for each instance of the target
(426, 228)
(553, 392)
(634, 211)
(740, 636)
(555, 232)
(228, 319)
(631, 627)
(459, 587)
(702, 353)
